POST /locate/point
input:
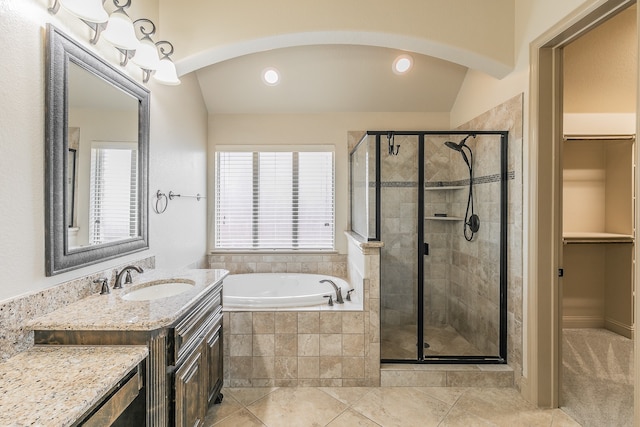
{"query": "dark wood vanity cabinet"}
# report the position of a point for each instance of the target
(190, 382)
(214, 361)
(184, 365)
(198, 361)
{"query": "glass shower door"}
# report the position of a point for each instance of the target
(399, 172)
(462, 234)
(442, 215)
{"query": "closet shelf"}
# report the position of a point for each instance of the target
(444, 218)
(595, 237)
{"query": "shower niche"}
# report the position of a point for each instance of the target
(437, 200)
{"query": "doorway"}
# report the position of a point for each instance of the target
(545, 303)
(599, 71)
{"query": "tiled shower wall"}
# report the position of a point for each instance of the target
(462, 277)
(453, 261)
(480, 260)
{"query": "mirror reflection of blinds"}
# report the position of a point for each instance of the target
(113, 202)
(274, 200)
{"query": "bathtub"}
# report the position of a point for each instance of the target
(278, 290)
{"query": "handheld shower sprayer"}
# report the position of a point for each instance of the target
(471, 220)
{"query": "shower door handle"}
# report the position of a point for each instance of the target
(426, 249)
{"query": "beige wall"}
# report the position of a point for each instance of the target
(480, 92)
(478, 34)
(600, 68)
(305, 129)
(177, 152)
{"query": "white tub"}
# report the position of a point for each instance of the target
(278, 290)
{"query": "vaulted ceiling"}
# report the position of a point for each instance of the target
(330, 78)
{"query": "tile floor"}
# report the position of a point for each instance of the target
(380, 406)
(399, 342)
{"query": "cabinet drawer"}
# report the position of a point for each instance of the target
(189, 329)
(115, 405)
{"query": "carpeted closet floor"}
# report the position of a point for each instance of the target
(597, 381)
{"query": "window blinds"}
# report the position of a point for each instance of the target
(113, 203)
(274, 200)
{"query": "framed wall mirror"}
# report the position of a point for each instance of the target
(97, 139)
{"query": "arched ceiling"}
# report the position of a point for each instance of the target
(330, 78)
(336, 55)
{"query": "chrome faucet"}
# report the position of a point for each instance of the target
(126, 271)
(338, 290)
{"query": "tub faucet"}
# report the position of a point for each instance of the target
(338, 290)
(127, 272)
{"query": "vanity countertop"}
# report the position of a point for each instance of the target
(113, 313)
(56, 385)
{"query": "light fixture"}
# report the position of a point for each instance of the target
(120, 31)
(91, 12)
(402, 64)
(166, 72)
(270, 76)
(88, 10)
(146, 56)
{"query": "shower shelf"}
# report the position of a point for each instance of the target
(457, 187)
(444, 218)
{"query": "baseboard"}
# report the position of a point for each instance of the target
(583, 322)
(619, 327)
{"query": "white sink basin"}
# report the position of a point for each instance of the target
(158, 289)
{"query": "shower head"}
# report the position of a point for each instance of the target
(458, 147)
(453, 146)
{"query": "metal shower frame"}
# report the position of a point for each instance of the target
(501, 358)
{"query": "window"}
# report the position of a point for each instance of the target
(274, 200)
(113, 202)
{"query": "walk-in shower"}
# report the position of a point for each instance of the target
(442, 274)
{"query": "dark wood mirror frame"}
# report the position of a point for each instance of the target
(60, 51)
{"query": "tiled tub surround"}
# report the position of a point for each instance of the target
(56, 385)
(238, 263)
(310, 346)
(289, 291)
(15, 313)
(290, 348)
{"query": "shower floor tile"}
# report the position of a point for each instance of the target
(399, 342)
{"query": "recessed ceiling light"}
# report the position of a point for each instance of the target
(402, 64)
(270, 76)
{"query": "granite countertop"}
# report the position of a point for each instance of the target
(112, 312)
(55, 385)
